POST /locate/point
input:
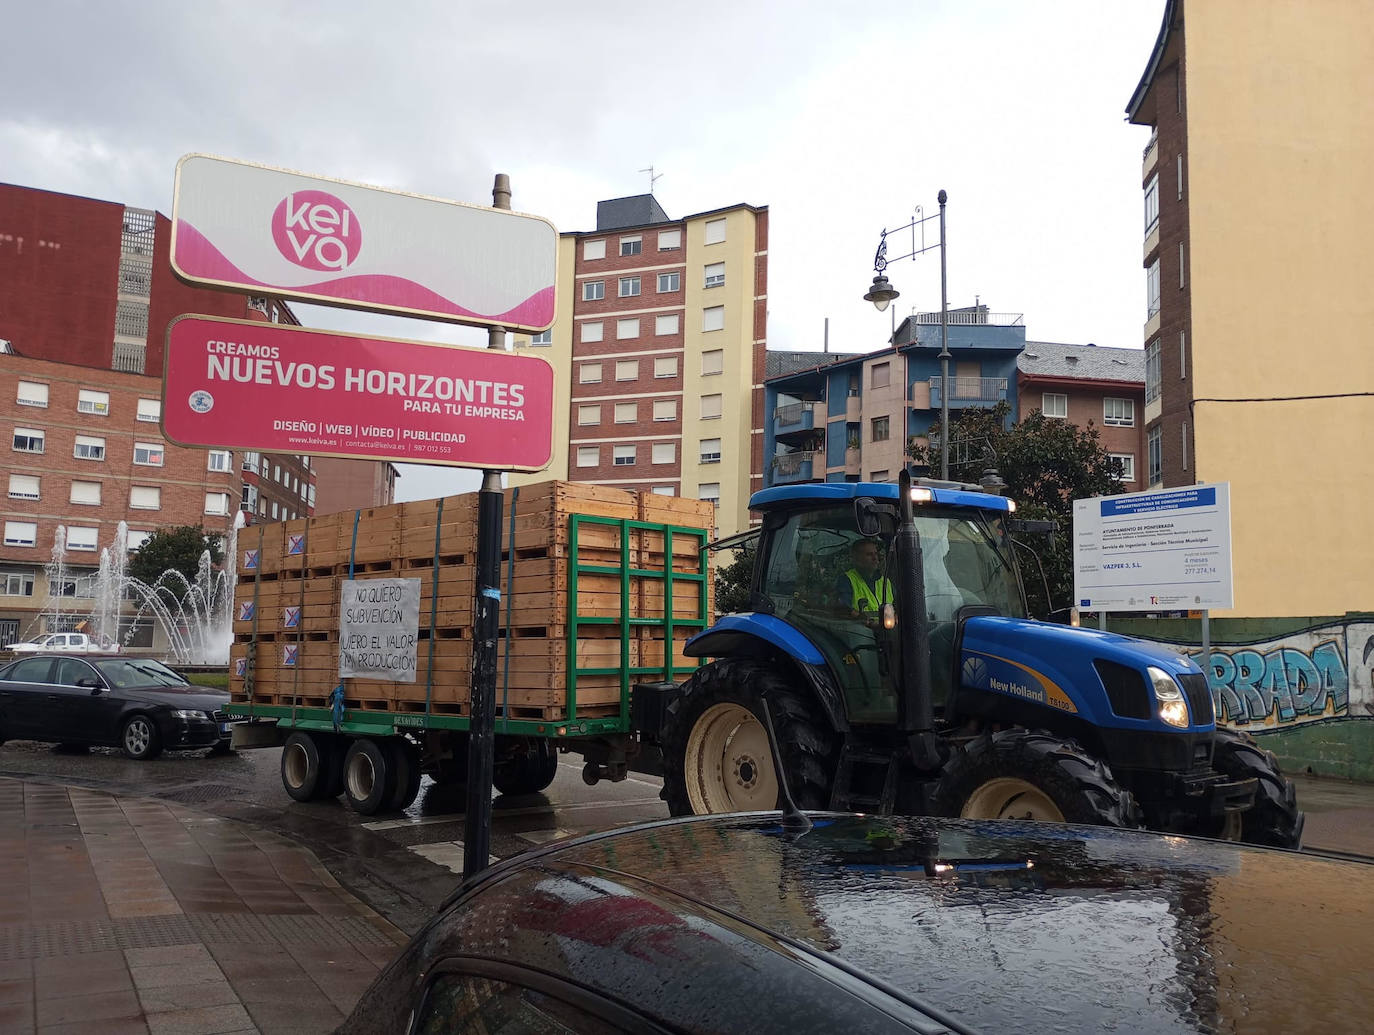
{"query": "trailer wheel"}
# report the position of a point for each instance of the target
(1275, 819)
(716, 756)
(1033, 775)
(369, 777)
(528, 771)
(405, 759)
(302, 765)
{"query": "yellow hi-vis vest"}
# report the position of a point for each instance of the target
(865, 598)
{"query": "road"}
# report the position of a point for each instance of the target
(402, 864)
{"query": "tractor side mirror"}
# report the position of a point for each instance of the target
(866, 517)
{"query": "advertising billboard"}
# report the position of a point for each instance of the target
(278, 389)
(259, 230)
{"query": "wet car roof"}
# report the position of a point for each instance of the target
(998, 926)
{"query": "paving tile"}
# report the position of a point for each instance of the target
(279, 1018)
(92, 981)
(15, 990)
(175, 974)
(184, 997)
(119, 1026)
(205, 1020)
(278, 990)
(162, 955)
(17, 1017)
(79, 964)
(102, 1007)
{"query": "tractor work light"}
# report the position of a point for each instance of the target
(1172, 708)
(920, 494)
(1011, 506)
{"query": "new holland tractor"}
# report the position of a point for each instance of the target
(888, 634)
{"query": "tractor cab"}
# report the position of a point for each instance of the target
(829, 565)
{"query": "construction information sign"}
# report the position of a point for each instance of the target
(1149, 551)
(379, 627)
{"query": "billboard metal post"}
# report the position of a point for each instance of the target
(486, 628)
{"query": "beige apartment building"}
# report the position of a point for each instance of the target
(1259, 260)
(658, 350)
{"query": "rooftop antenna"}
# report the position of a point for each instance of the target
(653, 178)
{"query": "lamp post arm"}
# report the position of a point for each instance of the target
(881, 261)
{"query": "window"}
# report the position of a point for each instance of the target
(712, 362)
(709, 491)
(629, 287)
(588, 414)
(631, 246)
(1180, 264)
(878, 430)
(713, 318)
(593, 290)
(82, 537)
(151, 454)
(21, 533)
(627, 369)
(218, 503)
(1118, 413)
(1179, 174)
(31, 393)
(137, 539)
(1154, 443)
(1152, 289)
(276, 473)
(669, 240)
(665, 452)
(24, 487)
(249, 498)
(879, 476)
(1183, 439)
(710, 407)
(592, 331)
(664, 490)
(710, 451)
(665, 366)
(715, 231)
(1151, 204)
(594, 249)
(715, 275)
(626, 413)
(588, 456)
(86, 493)
(265, 468)
(623, 456)
(880, 375)
(88, 448)
(220, 460)
(28, 440)
(543, 338)
(149, 497)
(150, 410)
(1182, 354)
(93, 402)
(669, 282)
(310, 493)
(1153, 373)
(589, 374)
(666, 324)
(274, 509)
(1127, 462)
(626, 329)
(1054, 405)
(16, 584)
(665, 409)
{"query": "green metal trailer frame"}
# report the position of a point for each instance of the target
(569, 726)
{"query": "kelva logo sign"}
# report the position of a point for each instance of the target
(316, 230)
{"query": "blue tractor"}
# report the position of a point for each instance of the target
(888, 633)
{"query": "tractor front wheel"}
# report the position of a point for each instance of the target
(1274, 820)
(716, 756)
(1034, 775)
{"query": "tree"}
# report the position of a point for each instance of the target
(733, 581)
(1047, 464)
(176, 548)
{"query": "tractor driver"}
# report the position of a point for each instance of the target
(863, 589)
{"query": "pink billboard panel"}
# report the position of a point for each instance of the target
(252, 228)
(277, 389)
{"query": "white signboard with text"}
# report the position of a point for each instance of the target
(1169, 549)
(379, 627)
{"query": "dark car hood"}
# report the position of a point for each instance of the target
(188, 697)
(1005, 926)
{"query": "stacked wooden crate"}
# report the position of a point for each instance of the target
(291, 574)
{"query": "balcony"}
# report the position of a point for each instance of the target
(969, 391)
(1150, 157)
(799, 416)
(853, 460)
(853, 407)
(791, 468)
(128, 358)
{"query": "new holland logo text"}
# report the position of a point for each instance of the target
(1018, 689)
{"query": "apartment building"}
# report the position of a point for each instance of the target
(658, 346)
(1258, 260)
(352, 484)
(1090, 385)
(854, 418)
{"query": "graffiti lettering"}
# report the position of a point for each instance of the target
(1279, 686)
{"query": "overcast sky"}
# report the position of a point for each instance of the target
(841, 118)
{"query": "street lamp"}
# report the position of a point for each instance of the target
(881, 294)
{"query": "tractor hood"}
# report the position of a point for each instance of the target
(1063, 667)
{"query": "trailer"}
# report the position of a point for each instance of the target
(601, 590)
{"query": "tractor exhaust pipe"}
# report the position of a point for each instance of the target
(916, 716)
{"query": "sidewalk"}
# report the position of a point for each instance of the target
(132, 915)
(1340, 815)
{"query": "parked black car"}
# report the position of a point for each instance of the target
(136, 704)
(875, 924)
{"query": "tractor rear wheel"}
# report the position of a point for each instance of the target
(1035, 775)
(716, 756)
(1274, 820)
